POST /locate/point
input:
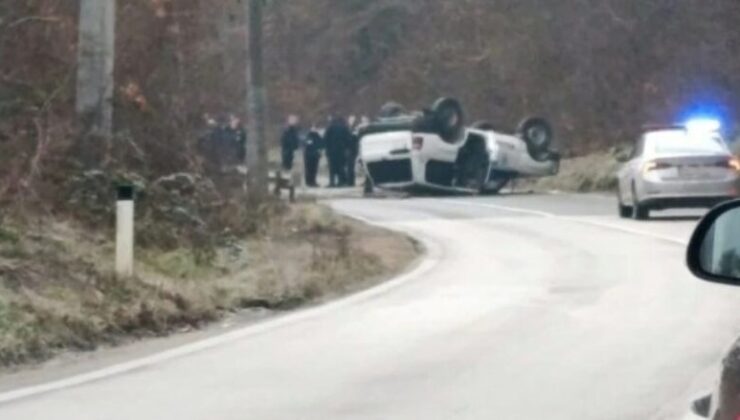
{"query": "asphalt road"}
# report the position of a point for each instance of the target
(527, 307)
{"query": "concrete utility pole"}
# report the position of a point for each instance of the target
(256, 147)
(96, 58)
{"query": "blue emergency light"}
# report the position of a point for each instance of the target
(703, 125)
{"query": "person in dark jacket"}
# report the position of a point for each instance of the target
(218, 145)
(238, 134)
(338, 136)
(289, 142)
(312, 148)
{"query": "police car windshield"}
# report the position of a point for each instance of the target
(681, 142)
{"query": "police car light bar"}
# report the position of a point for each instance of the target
(703, 125)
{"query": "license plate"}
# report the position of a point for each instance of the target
(689, 172)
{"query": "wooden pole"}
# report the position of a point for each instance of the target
(256, 108)
(96, 59)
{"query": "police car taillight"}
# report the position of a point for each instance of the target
(732, 163)
(417, 143)
(654, 165)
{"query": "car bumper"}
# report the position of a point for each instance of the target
(687, 193)
(684, 202)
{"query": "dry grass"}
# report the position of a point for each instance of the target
(596, 172)
(57, 294)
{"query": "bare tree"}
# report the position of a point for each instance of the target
(96, 58)
(256, 148)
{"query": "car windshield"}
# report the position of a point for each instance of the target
(680, 142)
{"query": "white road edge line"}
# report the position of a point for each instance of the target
(426, 264)
(547, 215)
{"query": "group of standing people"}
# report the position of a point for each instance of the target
(340, 141)
(224, 142)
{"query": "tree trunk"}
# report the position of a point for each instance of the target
(96, 58)
(256, 148)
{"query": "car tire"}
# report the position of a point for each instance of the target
(639, 211)
(449, 119)
(624, 211)
(538, 135)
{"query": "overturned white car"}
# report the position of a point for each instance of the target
(434, 150)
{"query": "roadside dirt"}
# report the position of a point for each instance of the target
(57, 293)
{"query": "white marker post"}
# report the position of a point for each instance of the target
(125, 231)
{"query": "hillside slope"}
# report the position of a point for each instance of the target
(598, 68)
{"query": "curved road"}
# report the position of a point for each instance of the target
(528, 307)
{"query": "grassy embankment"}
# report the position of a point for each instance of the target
(591, 173)
(57, 292)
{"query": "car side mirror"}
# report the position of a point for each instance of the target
(714, 249)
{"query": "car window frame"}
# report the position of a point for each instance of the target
(714, 142)
(718, 139)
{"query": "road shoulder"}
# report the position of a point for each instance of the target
(375, 253)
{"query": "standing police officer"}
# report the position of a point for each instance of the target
(289, 142)
(337, 137)
(312, 147)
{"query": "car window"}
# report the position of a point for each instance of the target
(679, 142)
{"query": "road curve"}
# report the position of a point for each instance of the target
(529, 307)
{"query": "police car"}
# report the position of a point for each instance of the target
(682, 166)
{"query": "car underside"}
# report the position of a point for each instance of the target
(434, 151)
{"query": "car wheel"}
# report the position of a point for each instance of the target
(625, 212)
(639, 211)
(449, 119)
(537, 134)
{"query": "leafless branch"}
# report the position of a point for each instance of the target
(616, 18)
(29, 19)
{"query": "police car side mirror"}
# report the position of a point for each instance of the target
(714, 250)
